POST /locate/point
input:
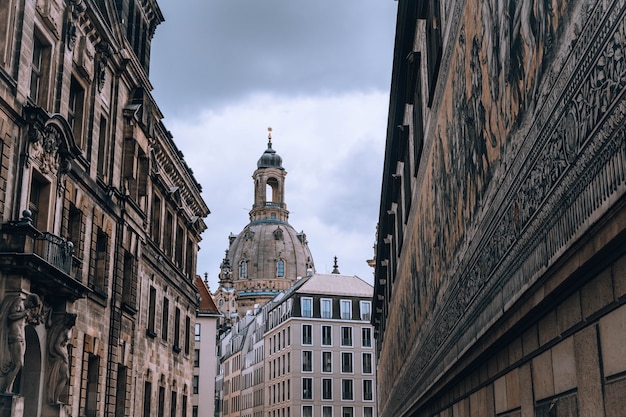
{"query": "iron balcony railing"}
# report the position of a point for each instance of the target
(55, 250)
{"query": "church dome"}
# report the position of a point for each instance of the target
(270, 159)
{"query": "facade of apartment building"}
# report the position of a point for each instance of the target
(100, 217)
(317, 353)
(501, 254)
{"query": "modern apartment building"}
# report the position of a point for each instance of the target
(317, 352)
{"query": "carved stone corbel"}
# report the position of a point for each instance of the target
(75, 9)
(59, 334)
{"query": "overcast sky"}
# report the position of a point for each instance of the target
(317, 72)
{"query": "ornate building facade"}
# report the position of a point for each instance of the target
(100, 217)
(500, 277)
(268, 255)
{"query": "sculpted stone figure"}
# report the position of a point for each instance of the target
(13, 316)
(58, 360)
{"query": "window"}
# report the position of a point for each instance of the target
(103, 149)
(129, 280)
(74, 228)
(197, 332)
(307, 307)
(93, 375)
(366, 337)
(196, 381)
(167, 233)
(327, 361)
(147, 394)
(346, 336)
(75, 111)
(346, 309)
(327, 335)
(196, 358)
(366, 310)
(156, 219)
(368, 411)
(165, 318)
(151, 312)
(327, 389)
(161, 409)
(326, 308)
(180, 243)
(307, 388)
(307, 361)
(173, 408)
(38, 202)
(327, 411)
(243, 269)
(367, 363)
(121, 390)
(280, 268)
(187, 335)
(100, 261)
(347, 412)
(368, 393)
(307, 411)
(38, 72)
(347, 392)
(346, 362)
(177, 330)
(307, 337)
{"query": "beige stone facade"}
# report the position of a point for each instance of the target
(499, 283)
(100, 217)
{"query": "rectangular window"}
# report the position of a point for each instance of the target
(327, 335)
(93, 375)
(327, 361)
(75, 111)
(156, 219)
(180, 241)
(307, 388)
(38, 203)
(366, 310)
(177, 330)
(368, 392)
(187, 334)
(366, 337)
(346, 336)
(196, 381)
(161, 409)
(167, 238)
(368, 411)
(307, 334)
(121, 390)
(165, 319)
(173, 408)
(307, 307)
(347, 412)
(100, 261)
(197, 333)
(196, 358)
(151, 312)
(307, 411)
(347, 392)
(40, 60)
(327, 389)
(367, 363)
(74, 229)
(147, 394)
(327, 411)
(103, 149)
(346, 309)
(307, 361)
(346, 362)
(326, 308)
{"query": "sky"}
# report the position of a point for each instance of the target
(318, 73)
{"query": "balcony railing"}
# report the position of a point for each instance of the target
(55, 250)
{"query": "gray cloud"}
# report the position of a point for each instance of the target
(215, 52)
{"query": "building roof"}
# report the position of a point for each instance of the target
(206, 305)
(335, 284)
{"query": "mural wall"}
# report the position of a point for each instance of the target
(524, 150)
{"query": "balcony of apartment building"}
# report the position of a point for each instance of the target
(42, 258)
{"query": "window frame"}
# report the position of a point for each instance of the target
(351, 344)
(308, 301)
(330, 335)
(326, 313)
(345, 314)
(324, 362)
(308, 381)
(310, 335)
(367, 316)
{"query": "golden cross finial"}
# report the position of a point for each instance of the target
(269, 134)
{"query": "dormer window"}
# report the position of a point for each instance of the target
(280, 268)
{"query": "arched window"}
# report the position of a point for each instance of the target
(221, 302)
(243, 269)
(280, 268)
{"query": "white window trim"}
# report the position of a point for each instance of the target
(349, 310)
(322, 310)
(302, 335)
(341, 337)
(322, 362)
(310, 299)
(322, 335)
(312, 362)
(361, 304)
(351, 365)
(363, 363)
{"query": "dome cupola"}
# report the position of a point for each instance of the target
(270, 159)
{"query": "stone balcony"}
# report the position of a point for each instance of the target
(42, 258)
